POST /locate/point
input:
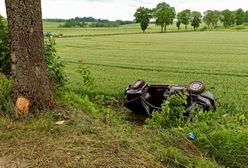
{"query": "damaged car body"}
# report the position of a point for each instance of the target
(145, 99)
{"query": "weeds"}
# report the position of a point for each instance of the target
(86, 78)
(220, 135)
(172, 114)
(54, 65)
(6, 105)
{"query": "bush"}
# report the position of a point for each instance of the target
(4, 47)
(105, 101)
(86, 78)
(172, 113)
(221, 135)
(5, 92)
(240, 27)
(54, 66)
(203, 28)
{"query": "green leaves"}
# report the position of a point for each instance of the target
(195, 19)
(4, 47)
(86, 78)
(227, 18)
(172, 113)
(184, 17)
(211, 18)
(164, 15)
(143, 16)
(54, 66)
(239, 16)
(5, 93)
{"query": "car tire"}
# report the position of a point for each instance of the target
(138, 84)
(196, 87)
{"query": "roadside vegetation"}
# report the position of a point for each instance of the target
(90, 127)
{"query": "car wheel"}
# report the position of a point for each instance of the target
(138, 84)
(196, 87)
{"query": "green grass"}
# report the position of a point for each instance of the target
(217, 58)
(134, 28)
(54, 28)
(97, 136)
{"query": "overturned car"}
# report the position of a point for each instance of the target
(145, 99)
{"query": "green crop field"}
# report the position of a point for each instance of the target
(90, 127)
(54, 28)
(125, 29)
(220, 59)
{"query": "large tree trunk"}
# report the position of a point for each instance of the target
(27, 53)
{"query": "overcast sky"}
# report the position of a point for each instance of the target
(124, 9)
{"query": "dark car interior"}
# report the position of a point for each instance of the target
(156, 94)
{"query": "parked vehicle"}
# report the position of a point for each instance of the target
(146, 99)
(49, 34)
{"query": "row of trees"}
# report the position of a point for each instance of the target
(73, 23)
(165, 15)
(92, 22)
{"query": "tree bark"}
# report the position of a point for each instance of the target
(162, 28)
(27, 53)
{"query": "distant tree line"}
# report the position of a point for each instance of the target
(54, 20)
(165, 15)
(92, 22)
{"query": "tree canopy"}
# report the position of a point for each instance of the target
(211, 18)
(184, 17)
(239, 16)
(164, 15)
(178, 24)
(227, 18)
(143, 16)
(195, 19)
(246, 16)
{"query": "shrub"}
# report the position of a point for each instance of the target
(5, 92)
(105, 101)
(86, 78)
(203, 28)
(221, 135)
(4, 47)
(172, 113)
(54, 66)
(240, 27)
